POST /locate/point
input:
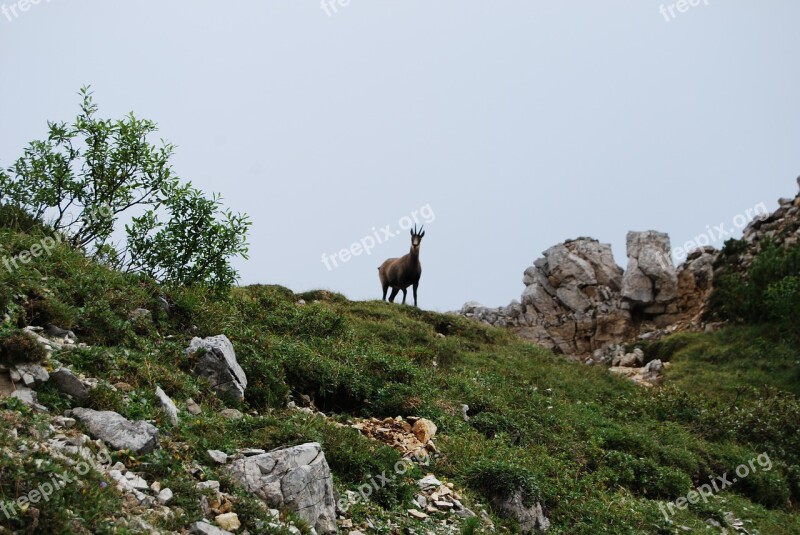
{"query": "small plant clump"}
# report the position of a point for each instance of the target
(18, 347)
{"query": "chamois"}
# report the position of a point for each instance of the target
(400, 273)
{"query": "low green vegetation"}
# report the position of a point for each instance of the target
(767, 292)
(601, 454)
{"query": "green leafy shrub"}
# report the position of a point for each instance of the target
(769, 489)
(85, 175)
(500, 479)
(645, 477)
(767, 291)
(397, 399)
(492, 424)
(358, 460)
(783, 302)
(266, 385)
(42, 311)
(15, 218)
(317, 320)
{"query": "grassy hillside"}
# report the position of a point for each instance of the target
(598, 452)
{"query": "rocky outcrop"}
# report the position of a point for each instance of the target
(296, 478)
(695, 283)
(217, 363)
(571, 302)
(118, 432)
(577, 300)
(781, 227)
(650, 281)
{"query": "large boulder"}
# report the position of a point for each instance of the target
(578, 301)
(218, 364)
(118, 432)
(571, 300)
(650, 278)
(296, 478)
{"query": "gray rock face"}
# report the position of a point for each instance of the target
(168, 406)
(577, 301)
(297, 478)
(531, 519)
(218, 364)
(67, 383)
(118, 432)
(567, 296)
(651, 277)
(571, 302)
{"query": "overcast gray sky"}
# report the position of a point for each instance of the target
(517, 124)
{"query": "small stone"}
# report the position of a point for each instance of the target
(123, 387)
(419, 515)
(165, 496)
(424, 430)
(137, 482)
(219, 457)
(429, 481)
(192, 407)
(205, 485)
(231, 414)
(168, 406)
(204, 528)
(465, 513)
(28, 397)
(62, 421)
(228, 521)
(67, 383)
(156, 486)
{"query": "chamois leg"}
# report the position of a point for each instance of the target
(385, 289)
(405, 292)
(416, 285)
(393, 294)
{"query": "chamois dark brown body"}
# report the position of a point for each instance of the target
(400, 273)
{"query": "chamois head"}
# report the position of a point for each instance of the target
(416, 238)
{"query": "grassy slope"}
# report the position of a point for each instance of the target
(597, 451)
